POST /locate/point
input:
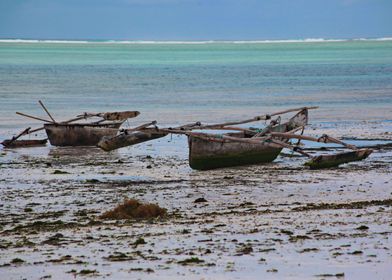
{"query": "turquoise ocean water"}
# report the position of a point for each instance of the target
(206, 81)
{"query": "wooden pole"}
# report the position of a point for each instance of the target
(46, 110)
(254, 119)
(126, 131)
(217, 137)
(32, 117)
(288, 146)
(323, 139)
(35, 130)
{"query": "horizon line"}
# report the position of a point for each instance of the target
(239, 41)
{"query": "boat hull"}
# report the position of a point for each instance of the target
(79, 134)
(205, 155)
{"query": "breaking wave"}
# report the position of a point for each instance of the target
(309, 40)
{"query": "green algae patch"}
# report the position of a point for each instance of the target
(348, 205)
(119, 257)
(139, 241)
(87, 271)
(38, 226)
(60, 172)
(191, 261)
(337, 275)
(17, 261)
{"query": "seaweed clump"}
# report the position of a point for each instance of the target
(134, 209)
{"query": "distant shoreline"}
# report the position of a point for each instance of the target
(196, 42)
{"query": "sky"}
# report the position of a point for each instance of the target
(195, 19)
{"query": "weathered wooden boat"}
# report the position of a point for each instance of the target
(69, 133)
(24, 143)
(79, 134)
(205, 154)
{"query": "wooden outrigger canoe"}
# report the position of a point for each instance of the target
(205, 154)
(15, 143)
(68, 133)
(24, 143)
(78, 134)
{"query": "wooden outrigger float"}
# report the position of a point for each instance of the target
(15, 143)
(129, 137)
(243, 147)
(327, 161)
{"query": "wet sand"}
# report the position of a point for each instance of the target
(273, 221)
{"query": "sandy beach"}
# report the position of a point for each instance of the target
(273, 221)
